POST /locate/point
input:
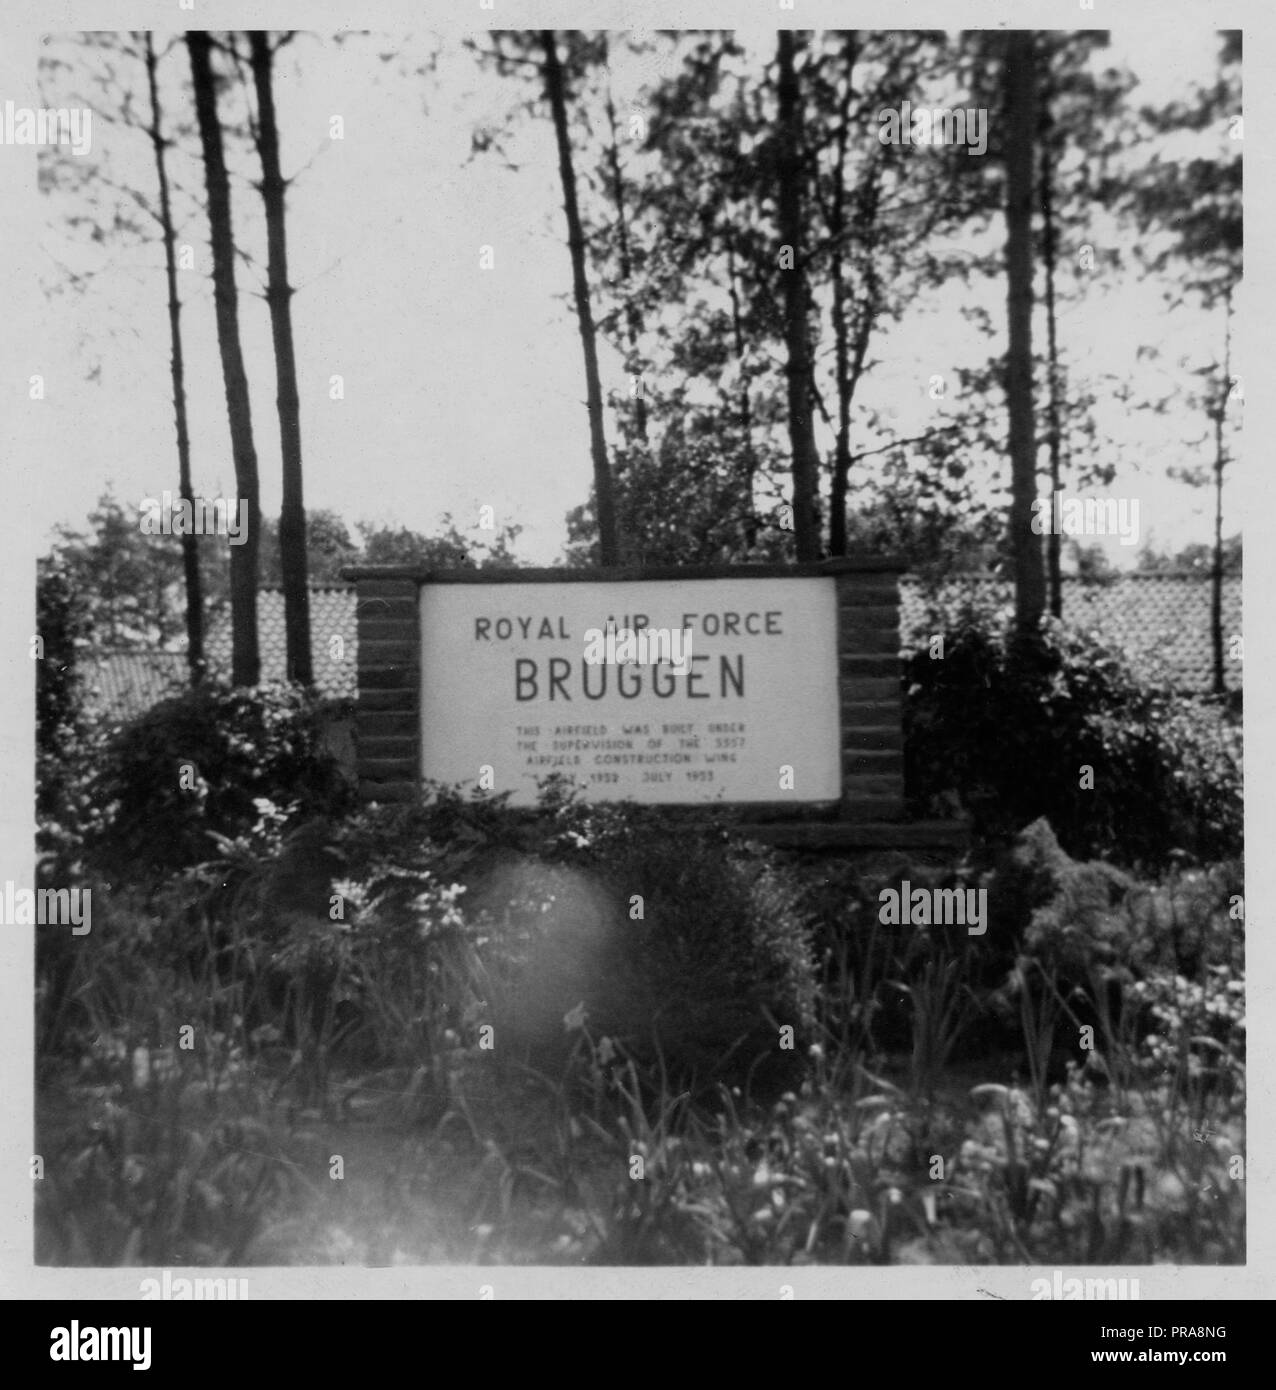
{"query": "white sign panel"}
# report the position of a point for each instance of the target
(654, 691)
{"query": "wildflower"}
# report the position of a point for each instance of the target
(575, 1018)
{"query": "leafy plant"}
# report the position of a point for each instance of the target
(1004, 729)
(197, 763)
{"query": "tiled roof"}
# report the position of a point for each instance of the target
(1161, 622)
(122, 684)
(331, 615)
(119, 685)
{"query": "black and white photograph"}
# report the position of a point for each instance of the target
(627, 656)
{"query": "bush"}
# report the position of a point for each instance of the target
(1094, 945)
(1045, 902)
(63, 742)
(62, 628)
(708, 953)
(1071, 913)
(231, 747)
(1003, 730)
(699, 975)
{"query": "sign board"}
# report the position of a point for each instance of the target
(519, 681)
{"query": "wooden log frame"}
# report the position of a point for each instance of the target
(387, 714)
(871, 704)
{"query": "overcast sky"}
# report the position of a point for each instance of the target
(463, 386)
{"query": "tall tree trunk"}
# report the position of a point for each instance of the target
(292, 516)
(1220, 458)
(749, 454)
(190, 542)
(1054, 542)
(555, 89)
(245, 657)
(1021, 126)
(633, 323)
(841, 327)
(806, 493)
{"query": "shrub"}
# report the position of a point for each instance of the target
(1071, 914)
(1085, 943)
(59, 714)
(699, 977)
(1003, 729)
(64, 743)
(720, 957)
(1193, 919)
(1042, 900)
(233, 747)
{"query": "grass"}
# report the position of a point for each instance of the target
(225, 1081)
(852, 1168)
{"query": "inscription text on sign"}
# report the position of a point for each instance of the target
(506, 684)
